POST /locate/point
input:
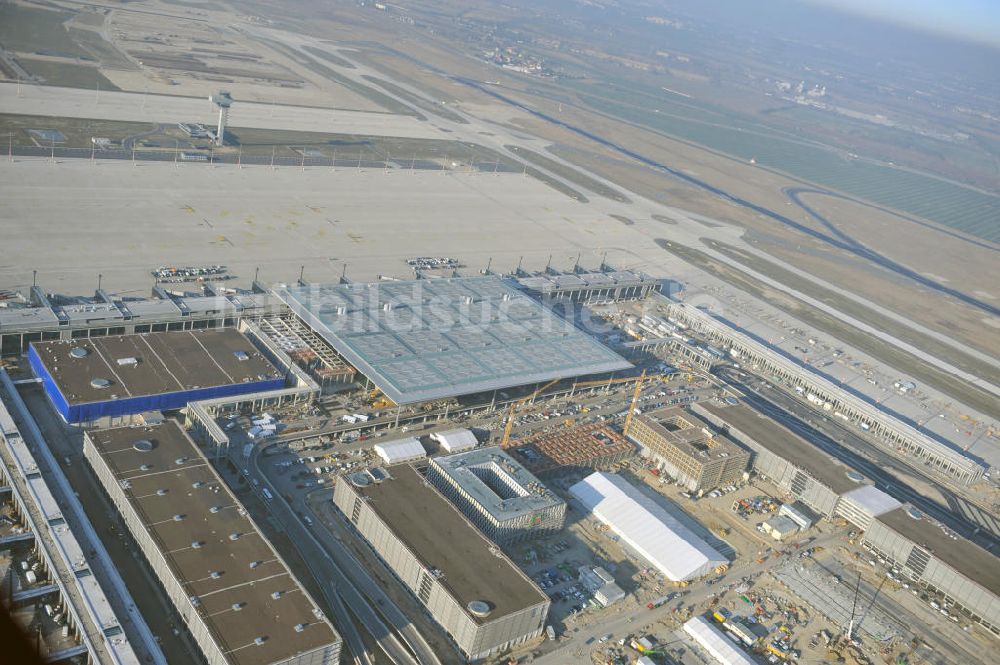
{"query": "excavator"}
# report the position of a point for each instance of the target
(378, 400)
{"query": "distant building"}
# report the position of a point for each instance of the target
(476, 594)
(498, 494)
(686, 448)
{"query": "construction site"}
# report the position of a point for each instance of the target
(631, 491)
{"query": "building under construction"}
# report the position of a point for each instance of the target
(684, 446)
(572, 449)
(498, 494)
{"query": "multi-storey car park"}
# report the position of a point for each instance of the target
(498, 494)
(231, 588)
(966, 576)
(106, 378)
(686, 448)
(474, 592)
(797, 466)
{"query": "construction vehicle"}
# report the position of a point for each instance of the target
(378, 400)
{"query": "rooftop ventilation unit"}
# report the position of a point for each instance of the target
(234, 536)
(161, 492)
(237, 606)
(79, 352)
(143, 445)
(299, 627)
(275, 595)
(178, 517)
(196, 544)
(259, 640)
(479, 608)
(100, 384)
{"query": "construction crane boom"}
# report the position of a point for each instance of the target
(635, 400)
(515, 408)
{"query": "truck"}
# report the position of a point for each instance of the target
(663, 600)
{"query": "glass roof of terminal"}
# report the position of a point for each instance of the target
(421, 340)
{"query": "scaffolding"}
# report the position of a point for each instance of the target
(581, 447)
(308, 350)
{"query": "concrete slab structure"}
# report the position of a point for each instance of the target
(684, 446)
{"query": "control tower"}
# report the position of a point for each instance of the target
(223, 100)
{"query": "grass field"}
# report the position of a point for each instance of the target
(856, 310)
(961, 208)
(36, 31)
(69, 75)
(376, 96)
(883, 351)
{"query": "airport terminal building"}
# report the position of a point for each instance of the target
(498, 494)
(476, 594)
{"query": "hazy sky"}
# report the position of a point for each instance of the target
(978, 20)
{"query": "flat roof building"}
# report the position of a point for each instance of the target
(571, 449)
(591, 287)
(686, 448)
(423, 340)
(931, 554)
(468, 586)
(785, 458)
(498, 494)
(231, 588)
(90, 379)
(646, 527)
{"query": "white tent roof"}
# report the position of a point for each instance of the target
(404, 450)
(646, 527)
(714, 642)
(456, 440)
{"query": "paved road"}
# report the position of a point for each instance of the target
(326, 567)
